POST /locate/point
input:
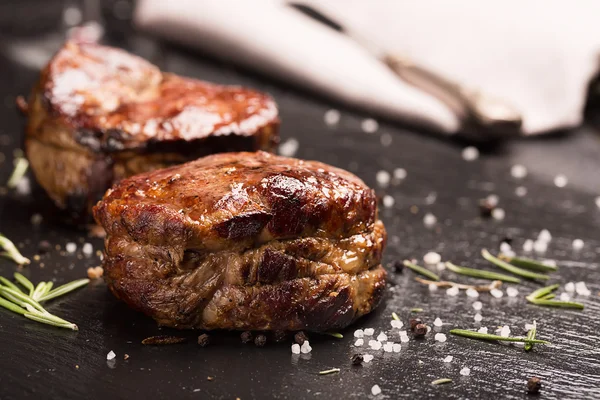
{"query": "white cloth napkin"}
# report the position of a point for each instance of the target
(538, 55)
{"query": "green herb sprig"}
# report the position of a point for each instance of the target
(420, 270)
(486, 336)
(543, 297)
(477, 273)
(27, 303)
(528, 263)
(511, 268)
(11, 251)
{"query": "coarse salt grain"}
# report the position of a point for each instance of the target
(374, 344)
(295, 348)
(388, 201)
(505, 247)
(400, 174)
(383, 178)
(483, 329)
(388, 347)
(472, 293)
(470, 153)
(23, 187)
(429, 220)
(581, 289)
(448, 359)
(440, 337)
(560, 180)
(396, 324)
(358, 333)
(528, 245)
(432, 258)
(386, 139)
(369, 125)
(577, 244)
(477, 317)
(111, 355)
(529, 327)
(368, 358)
(465, 371)
(498, 214)
(564, 296)
(71, 247)
(382, 337)
(497, 293)
(397, 347)
(359, 342)
(512, 292)
(505, 331)
(305, 348)
(404, 338)
(544, 236)
(477, 305)
(332, 117)
(518, 171)
(87, 249)
(453, 291)
(440, 266)
(521, 191)
(438, 322)
(540, 246)
(432, 287)
(597, 201)
(375, 390)
(369, 331)
(289, 147)
(492, 200)
(570, 287)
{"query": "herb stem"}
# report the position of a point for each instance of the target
(395, 316)
(26, 283)
(441, 381)
(530, 336)
(18, 172)
(511, 268)
(529, 264)
(486, 336)
(420, 270)
(329, 371)
(477, 273)
(416, 310)
(12, 252)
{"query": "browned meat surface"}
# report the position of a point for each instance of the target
(245, 241)
(99, 114)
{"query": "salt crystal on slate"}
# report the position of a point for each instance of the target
(388, 347)
(545, 236)
(382, 337)
(570, 287)
(383, 178)
(582, 289)
(438, 322)
(369, 125)
(505, 248)
(512, 292)
(577, 244)
(478, 305)
(540, 246)
(359, 342)
(374, 344)
(440, 337)
(483, 329)
(470, 153)
(369, 331)
(429, 220)
(453, 291)
(368, 358)
(388, 201)
(497, 293)
(397, 347)
(505, 331)
(396, 324)
(375, 390)
(359, 333)
(432, 258)
(400, 174)
(432, 287)
(560, 180)
(332, 117)
(521, 191)
(472, 293)
(477, 317)
(518, 171)
(564, 296)
(289, 147)
(498, 214)
(528, 245)
(465, 371)
(448, 359)
(305, 348)
(296, 348)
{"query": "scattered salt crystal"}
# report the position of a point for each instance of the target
(388, 347)
(518, 171)
(581, 289)
(388, 201)
(440, 266)
(71, 247)
(36, 219)
(374, 344)
(453, 291)
(358, 333)
(305, 348)
(465, 371)
(505, 247)
(597, 201)
(505, 331)
(359, 342)
(521, 191)
(528, 245)
(483, 329)
(111, 355)
(529, 327)
(512, 292)
(386, 139)
(448, 359)
(368, 358)
(400, 174)
(577, 244)
(383, 178)
(570, 287)
(440, 337)
(432, 287)
(396, 324)
(289, 147)
(397, 347)
(382, 337)
(564, 296)
(477, 317)
(438, 322)
(498, 214)
(332, 117)
(560, 180)
(23, 187)
(295, 348)
(540, 247)
(369, 125)
(472, 293)
(551, 263)
(470, 153)
(429, 220)
(492, 200)
(404, 338)
(87, 249)
(432, 258)
(431, 198)
(544, 236)
(497, 293)
(369, 331)
(477, 305)
(375, 390)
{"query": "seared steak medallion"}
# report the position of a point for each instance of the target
(100, 114)
(247, 241)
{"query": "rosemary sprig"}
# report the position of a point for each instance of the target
(18, 172)
(336, 335)
(477, 273)
(511, 268)
(528, 263)
(441, 381)
(64, 289)
(329, 371)
(531, 335)
(11, 251)
(486, 336)
(420, 270)
(541, 297)
(395, 316)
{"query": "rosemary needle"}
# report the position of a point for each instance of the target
(420, 270)
(441, 381)
(511, 268)
(18, 172)
(540, 298)
(531, 335)
(541, 292)
(395, 316)
(486, 336)
(329, 371)
(335, 335)
(415, 310)
(64, 289)
(477, 273)
(25, 282)
(528, 263)
(12, 252)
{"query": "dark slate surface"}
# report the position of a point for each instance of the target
(37, 361)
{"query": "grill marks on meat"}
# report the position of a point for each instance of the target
(245, 241)
(99, 114)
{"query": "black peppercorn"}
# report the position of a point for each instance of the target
(357, 359)
(279, 336)
(247, 337)
(398, 266)
(300, 338)
(486, 208)
(260, 340)
(420, 330)
(534, 385)
(203, 340)
(414, 322)
(44, 247)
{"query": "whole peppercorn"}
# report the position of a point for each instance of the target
(260, 340)
(44, 247)
(486, 208)
(279, 336)
(357, 359)
(398, 266)
(247, 337)
(420, 330)
(300, 338)
(414, 322)
(203, 340)
(534, 385)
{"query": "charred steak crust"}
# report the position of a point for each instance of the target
(245, 241)
(99, 114)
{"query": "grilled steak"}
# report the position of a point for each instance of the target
(245, 241)
(99, 114)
